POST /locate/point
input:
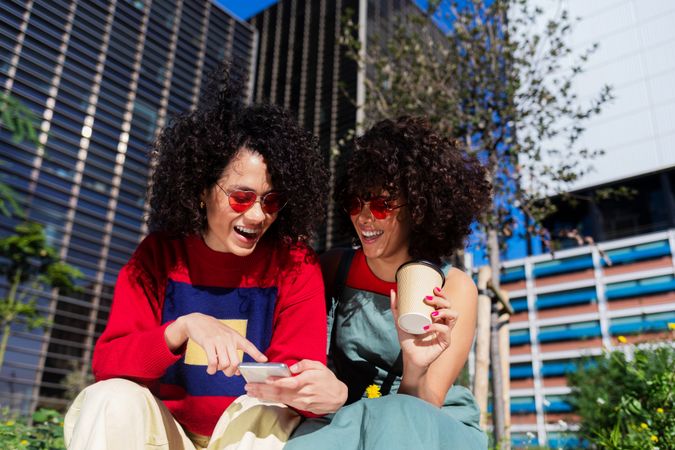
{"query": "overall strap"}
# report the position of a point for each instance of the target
(339, 282)
(395, 372)
(341, 275)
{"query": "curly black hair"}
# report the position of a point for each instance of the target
(445, 189)
(191, 153)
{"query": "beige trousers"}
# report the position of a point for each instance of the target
(119, 414)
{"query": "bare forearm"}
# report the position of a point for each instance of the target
(175, 335)
(416, 382)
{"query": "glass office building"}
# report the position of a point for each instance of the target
(101, 78)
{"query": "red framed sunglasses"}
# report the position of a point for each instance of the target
(241, 200)
(379, 206)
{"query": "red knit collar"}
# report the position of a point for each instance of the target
(361, 277)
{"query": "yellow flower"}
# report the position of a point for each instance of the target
(671, 325)
(644, 426)
(654, 438)
(373, 391)
(659, 410)
(23, 442)
(9, 423)
(622, 339)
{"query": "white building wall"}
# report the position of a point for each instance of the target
(636, 56)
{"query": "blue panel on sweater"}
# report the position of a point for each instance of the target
(254, 305)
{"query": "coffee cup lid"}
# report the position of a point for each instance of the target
(424, 262)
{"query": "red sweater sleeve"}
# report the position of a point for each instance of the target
(300, 320)
(300, 317)
(132, 345)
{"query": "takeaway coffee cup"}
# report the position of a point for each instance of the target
(415, 280)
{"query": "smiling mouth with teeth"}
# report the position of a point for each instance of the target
(371, 234)
(248, 233)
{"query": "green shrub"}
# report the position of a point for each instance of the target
(626, 401)
(46, 433)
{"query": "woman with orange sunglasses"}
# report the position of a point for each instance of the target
(409, 194)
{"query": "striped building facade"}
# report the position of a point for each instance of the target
(572, 306)
(101, 77)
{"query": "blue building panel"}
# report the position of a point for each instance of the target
(570, 334)
(557, 368)
(637, 288)
(523, 408)
(512, 274)
(642, 324)
(559, 266)
(521, 371)
(563, 367)
(558, 407)
(566, 298)
(519, 339)
(638, 253)
(519, 304)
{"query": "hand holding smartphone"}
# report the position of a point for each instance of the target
(255, 372)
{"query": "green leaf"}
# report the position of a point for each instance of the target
(40, 416)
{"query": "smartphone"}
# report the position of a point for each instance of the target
(255, 372)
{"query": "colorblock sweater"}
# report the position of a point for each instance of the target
(273, 297)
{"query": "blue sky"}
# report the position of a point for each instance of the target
(245, 8)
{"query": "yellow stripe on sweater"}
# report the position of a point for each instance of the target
(195, 354)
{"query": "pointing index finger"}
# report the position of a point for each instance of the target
(252, 350)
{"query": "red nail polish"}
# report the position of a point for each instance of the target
(426, 327)
(438, 289)
(435, 313)
(428, 297)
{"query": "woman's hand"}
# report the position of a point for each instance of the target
(421, 350)
(315, 389)
(219, 341)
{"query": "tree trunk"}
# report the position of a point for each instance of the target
(497, 384)
(10, 314)
(3, 344)
(480, 387)
(504, 357)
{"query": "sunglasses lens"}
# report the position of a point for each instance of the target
(379, 207)
(273, 202)
(353, 206)
(240, 201)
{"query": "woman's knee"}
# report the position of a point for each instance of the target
(115, 397)
(398, 401)
(397, 408)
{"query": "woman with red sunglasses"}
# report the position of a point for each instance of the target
(410, 194)
(225, 276)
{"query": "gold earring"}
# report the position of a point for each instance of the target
(201, 204)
